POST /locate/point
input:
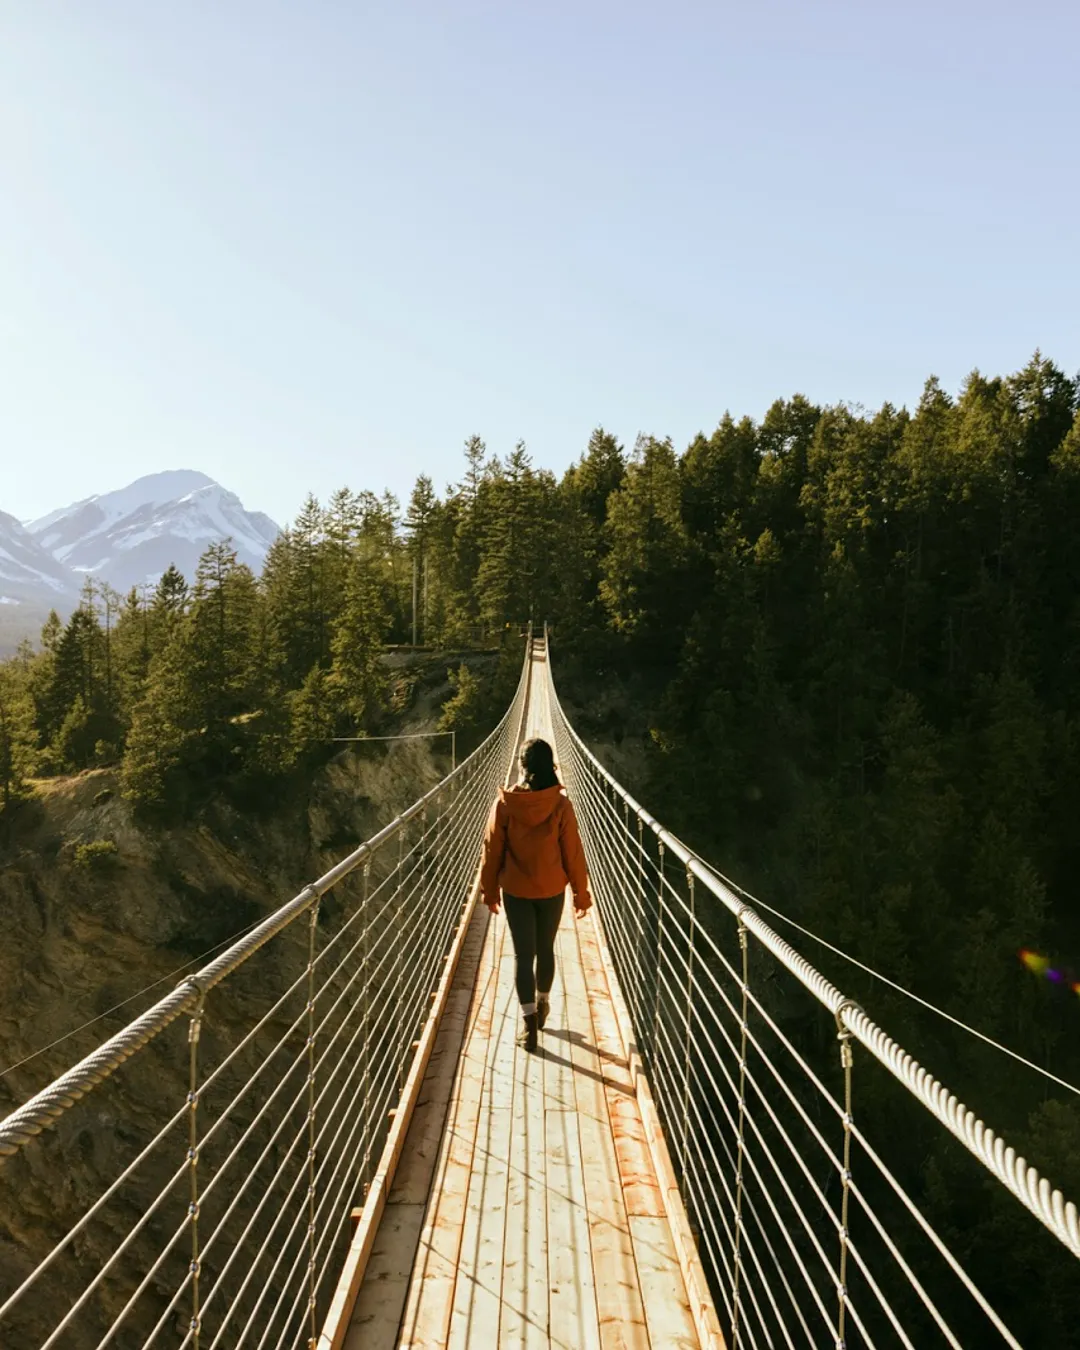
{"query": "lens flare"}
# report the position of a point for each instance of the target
(1040, 965)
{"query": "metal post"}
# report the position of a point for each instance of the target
(194, 1029)
(743, 944)
(453, 751)
(313, 920)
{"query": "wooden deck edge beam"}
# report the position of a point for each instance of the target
(693, 1272)
(338, 1315)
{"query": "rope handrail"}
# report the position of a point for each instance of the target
(286, 1113)
(1021, 1178)
(892, 984)
(762, 1177)
(35, 1115)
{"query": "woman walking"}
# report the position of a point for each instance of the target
(532, 850)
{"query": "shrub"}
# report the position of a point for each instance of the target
(97, 854)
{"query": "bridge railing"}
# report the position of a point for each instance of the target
(808, 1234)
(240, 1119)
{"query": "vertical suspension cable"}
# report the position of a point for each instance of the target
(684, 1160)
(399, 910)
(313, 920)
(847, 1059)
(194, 1029)
(744, 947)
(659, 948)
(641, 951)
(365, 1022)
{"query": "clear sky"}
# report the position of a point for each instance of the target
(300, 244)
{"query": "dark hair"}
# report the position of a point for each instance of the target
(538, 761)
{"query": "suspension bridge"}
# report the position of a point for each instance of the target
(328, 1137)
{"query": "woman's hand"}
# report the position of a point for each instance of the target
(493, 905)
(582, 905)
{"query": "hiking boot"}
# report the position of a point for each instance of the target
(528, 1039)
(541, 1015)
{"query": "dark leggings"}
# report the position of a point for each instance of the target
(533, 925)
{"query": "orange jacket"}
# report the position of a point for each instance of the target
(532, 847)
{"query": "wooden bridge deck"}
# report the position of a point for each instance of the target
(526, 1209)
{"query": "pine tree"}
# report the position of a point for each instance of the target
(163, 730)
(644, 586)
(355, 682)
(419, 525)
(221, 629)
(18, 735)
(171, 594)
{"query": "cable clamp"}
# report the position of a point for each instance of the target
(844, 1006)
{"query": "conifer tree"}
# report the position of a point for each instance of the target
(355, 682)
(646, 569)
(18, 734)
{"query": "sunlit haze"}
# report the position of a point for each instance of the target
(296, 246)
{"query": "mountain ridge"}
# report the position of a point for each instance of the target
(124, 537)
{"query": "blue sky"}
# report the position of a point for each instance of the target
(300, 245)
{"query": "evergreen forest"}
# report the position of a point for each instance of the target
(844, 642)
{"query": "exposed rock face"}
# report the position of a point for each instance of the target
(78, 936)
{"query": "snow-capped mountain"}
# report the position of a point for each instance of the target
(132, 535)
(29, 575)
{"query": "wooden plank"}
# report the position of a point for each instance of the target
(573, 1319)
(639, 1180)
(377, 1313)
(339, 1313)
(428, 1309)
(558, 1067)
(412, 1181)
(618, 1294)
(573, 1316)
(478, 1294)
(523, 1324)
(671, 1323)
(706, 1322)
